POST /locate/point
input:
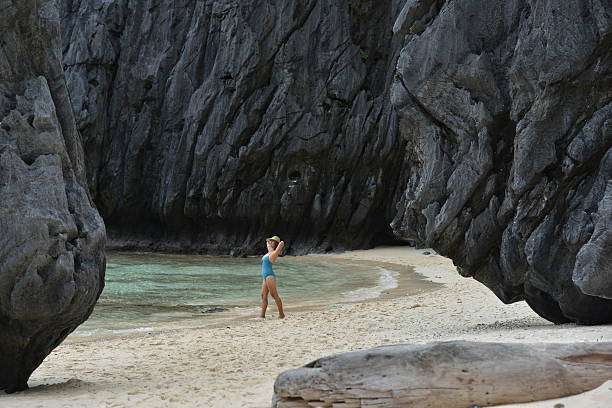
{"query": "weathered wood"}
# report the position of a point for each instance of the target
(455, 374)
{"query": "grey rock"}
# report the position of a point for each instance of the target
(479, 128)
(593, 268)
(225, 128)
(209, 125)
(52, 240)
(506, 109)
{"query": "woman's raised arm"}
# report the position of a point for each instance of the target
(274, 254)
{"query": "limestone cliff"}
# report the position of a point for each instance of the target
(506, 107)
(51, 236)
(209, 125)
(481, 128)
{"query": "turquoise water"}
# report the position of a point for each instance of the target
(145, 290)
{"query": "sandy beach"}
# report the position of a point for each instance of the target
(234, 362)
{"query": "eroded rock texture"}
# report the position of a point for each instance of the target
(507, 110)
(209, 125)
(51, 236)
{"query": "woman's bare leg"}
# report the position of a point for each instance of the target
(264, 299)
(271, 284)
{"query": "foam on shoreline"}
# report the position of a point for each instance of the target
(386, 280)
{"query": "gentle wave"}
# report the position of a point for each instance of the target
(386, 281)
(93, 332)
(123, 303)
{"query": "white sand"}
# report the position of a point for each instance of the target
(235, 364)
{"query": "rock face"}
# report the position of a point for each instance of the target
(209, 125)
(52, 240)
(506, 107)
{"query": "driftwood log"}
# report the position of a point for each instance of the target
(455, 374)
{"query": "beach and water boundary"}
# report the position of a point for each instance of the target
(151, 292)
(234, 364)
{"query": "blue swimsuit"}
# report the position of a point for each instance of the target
(266, 268)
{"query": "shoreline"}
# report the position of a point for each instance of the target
(235, 365)
(408, 283)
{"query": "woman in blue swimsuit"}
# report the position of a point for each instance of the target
(274, 245)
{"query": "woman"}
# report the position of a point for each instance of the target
(274, 245)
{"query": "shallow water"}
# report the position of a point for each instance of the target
(145, 290)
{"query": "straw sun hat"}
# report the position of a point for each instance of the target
(274, 238)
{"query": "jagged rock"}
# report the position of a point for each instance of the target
(506, 107)
(593, 269)
(52, 240)
(209, 125)
(481, 128)
(455, 374)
